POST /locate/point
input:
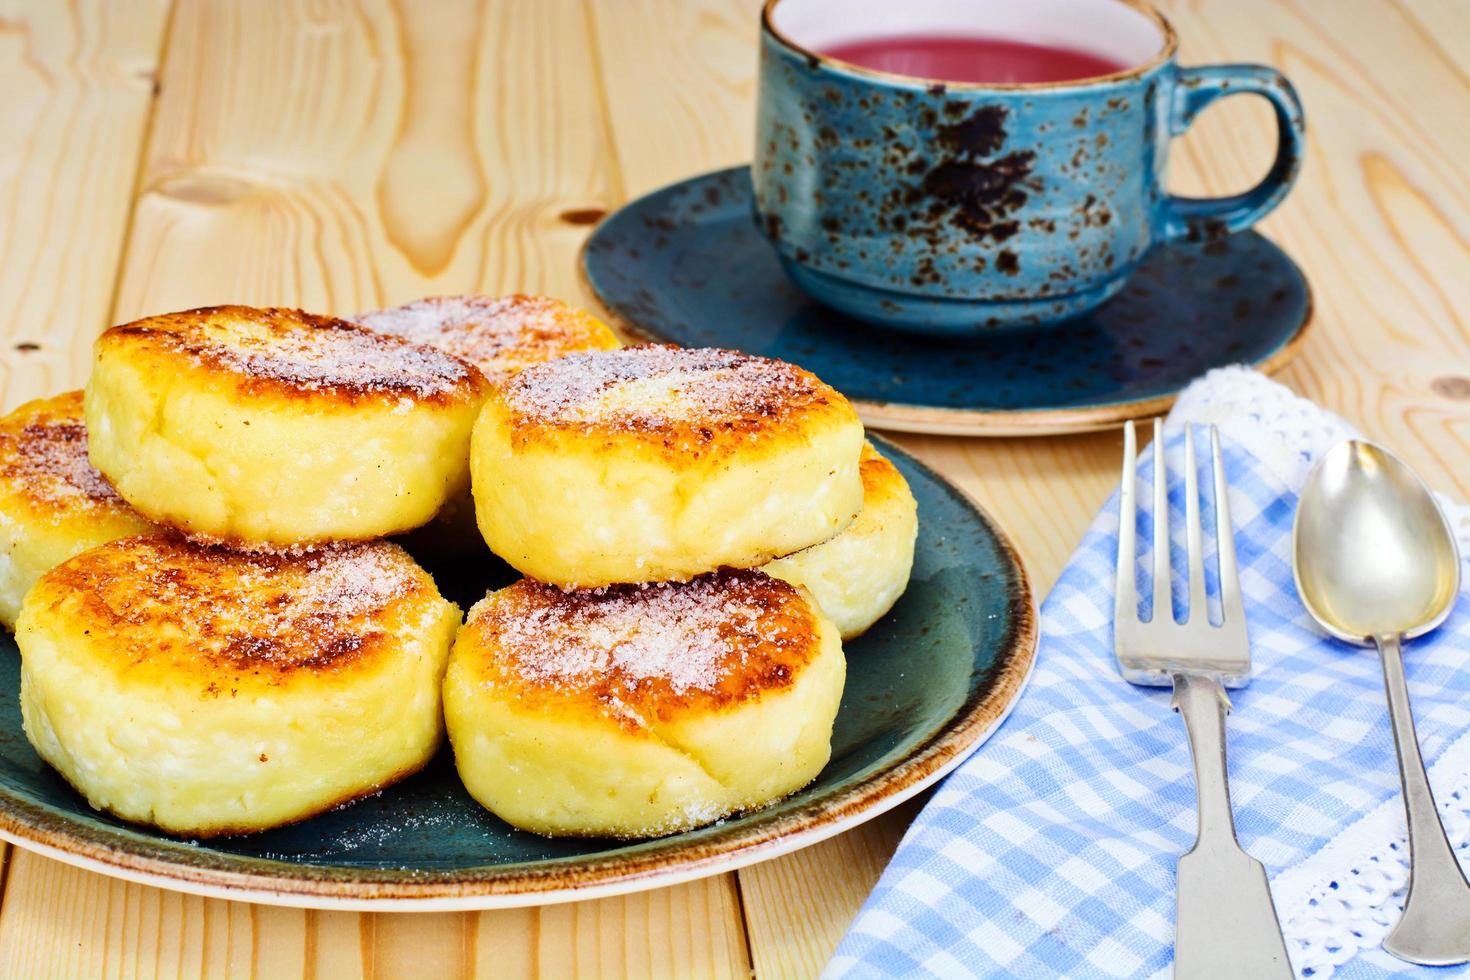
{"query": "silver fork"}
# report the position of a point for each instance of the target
(1225, 923)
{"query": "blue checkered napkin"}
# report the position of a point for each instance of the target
(1051, 851)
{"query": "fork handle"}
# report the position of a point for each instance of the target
(1225, 923)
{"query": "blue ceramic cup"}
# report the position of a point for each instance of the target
(960, 208)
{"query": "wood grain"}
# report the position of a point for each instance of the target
(342, 155)
(797, 907)
(1378, 222)
(1381, 217)
(60, 921)
(841, 871)
(78, 84)
(680, 83)
(78, 87)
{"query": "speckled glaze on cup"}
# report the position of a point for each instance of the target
(961, 208)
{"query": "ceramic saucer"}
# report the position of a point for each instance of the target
(686, 265)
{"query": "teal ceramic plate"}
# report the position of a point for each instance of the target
(926, 685)
(686, 265)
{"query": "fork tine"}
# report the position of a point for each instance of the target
(1125, 595)
(1163, 570)
(1198, 611)
(1232, 610)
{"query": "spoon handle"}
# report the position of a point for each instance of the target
(1435, 928)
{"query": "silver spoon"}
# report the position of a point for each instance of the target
(1375, 563)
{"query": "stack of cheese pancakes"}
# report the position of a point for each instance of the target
(216, 637)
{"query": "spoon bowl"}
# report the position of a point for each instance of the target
(1375, 562)
(1374, 554)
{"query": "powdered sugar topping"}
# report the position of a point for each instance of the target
(47, 461)
(679, 637)
(499, 335)
(652, 386)
(309, 353)
(291, 611)
(349, 582)
(321, 359)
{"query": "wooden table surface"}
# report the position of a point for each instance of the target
(341, 155)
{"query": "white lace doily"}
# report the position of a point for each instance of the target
(1284, 431)
(1343, 900)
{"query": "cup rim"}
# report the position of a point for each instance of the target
(1165, 53)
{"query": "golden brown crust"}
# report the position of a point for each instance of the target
(180, 612)
(293, 354)
(500, 335)
(643, 653)
(43, 460)
(879, 476)
(682, 399)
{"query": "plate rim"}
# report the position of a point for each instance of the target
(940, 420)
(23, 823)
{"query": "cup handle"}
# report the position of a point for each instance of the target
(1202, 218)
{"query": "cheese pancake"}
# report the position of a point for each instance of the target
(659, 463)
(500, 335)
(53, 502)
(858, 575)
(277, 428)
(208, 691)
(637, 711)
